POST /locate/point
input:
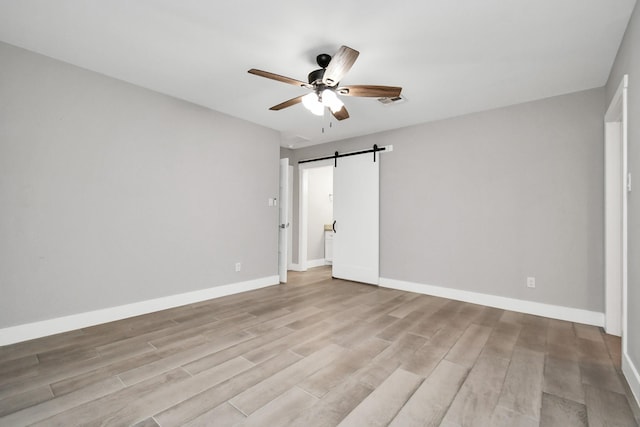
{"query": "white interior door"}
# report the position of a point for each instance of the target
(356, 214)
(283, 239)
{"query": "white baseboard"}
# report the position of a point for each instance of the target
(296, 267)
(539, 309)
(311, 263)
(632, 376)
(28, 331)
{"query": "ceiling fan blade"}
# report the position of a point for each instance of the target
(340, 64)
(289, 103)
(370, 91)
(340, 114)
(279, 78)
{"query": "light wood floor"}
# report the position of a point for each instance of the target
(317, 352)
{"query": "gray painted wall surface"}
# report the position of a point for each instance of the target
(482, 201)
(285, 153)
(320, 185)
(112, 194)
(628, 62)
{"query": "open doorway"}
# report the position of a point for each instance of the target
(316, 215)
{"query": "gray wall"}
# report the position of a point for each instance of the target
(320, 209)
(112, 194)
(628, 62)
(482, 201)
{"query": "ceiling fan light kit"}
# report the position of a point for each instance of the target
(310, 102)
(324, 83)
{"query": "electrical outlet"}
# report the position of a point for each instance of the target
(531, 282)
(238, 266)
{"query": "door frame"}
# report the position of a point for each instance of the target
(617, 186)
(284, 229)
(303, 208)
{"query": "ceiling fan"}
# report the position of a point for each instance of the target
(324, 82)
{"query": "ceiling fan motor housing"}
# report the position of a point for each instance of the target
(323, 60)
(316, 76)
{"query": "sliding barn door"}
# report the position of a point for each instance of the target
(356, 215)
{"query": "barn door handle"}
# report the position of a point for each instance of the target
(334, 226)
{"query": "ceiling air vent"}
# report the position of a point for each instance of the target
(392, 100)
(291, 141)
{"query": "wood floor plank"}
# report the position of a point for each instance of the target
(431, 322)
(352, 334)
(593, 352)
(446, 336)
(502, 340)
(124, 349)
(236, 350)
(311, 320)
(279, 345)
(503, 417)
(39, 345)
(466, 315)
(562, 378)
(607, 408)
(23, 400)
(469, 345)
(152, 369)
(167, 395)
(222, 415)
(477, 398)
(149, 422)
(262, 393)
(282, 410)
(533, 337)
(282, 320)
(562, 341)
(602, 376)
(419, 303)
(614, 346)
(16, 366)
(334, 406)
(522, 388)
(390, 359)
(319, 383)
(427, 406)
(96, 411)
(386, 301)
(425, 359)
(490, 316)
(382, 405)
(200, 403)
(84, 379)
(588, 332)
(557, 411)
(314, 344)
(55, 406)
(54, 372)
(399, 328)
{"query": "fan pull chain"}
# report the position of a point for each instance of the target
(326, 117)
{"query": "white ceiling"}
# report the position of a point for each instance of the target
(450, 56)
